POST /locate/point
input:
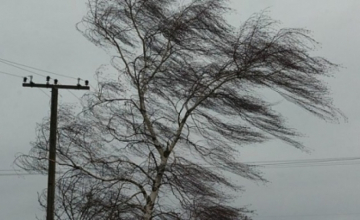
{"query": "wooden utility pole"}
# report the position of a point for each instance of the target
(50, 214)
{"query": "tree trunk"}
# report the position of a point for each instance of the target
(155, 190)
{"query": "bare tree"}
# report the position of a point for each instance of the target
(155, 142)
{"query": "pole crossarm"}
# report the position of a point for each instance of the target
(52, 86)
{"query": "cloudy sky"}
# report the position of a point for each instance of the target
(42, 34)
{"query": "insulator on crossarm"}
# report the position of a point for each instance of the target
(55, 81)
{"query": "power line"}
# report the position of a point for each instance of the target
(308, 162)
(276, 162)
(11, 74)
(22, 68)
(10, 170)
(34, 68)
(22, 174)
(306, 215)
(311, 165)
(289, 164)
(330, 161)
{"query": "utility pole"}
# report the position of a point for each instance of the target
(50, 214)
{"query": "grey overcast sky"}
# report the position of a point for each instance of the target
(42, 34)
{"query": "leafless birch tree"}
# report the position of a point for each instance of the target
(156, 141)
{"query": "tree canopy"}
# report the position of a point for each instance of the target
(154, 141)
